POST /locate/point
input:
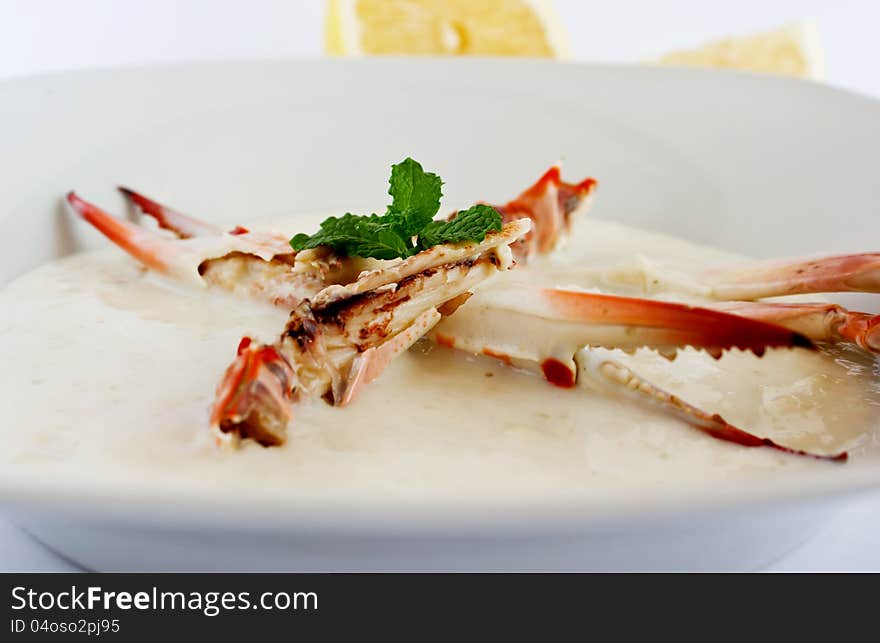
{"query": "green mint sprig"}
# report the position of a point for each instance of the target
(408, 225)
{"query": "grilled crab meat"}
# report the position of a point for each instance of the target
(345, 335)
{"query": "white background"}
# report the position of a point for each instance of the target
(48, 35)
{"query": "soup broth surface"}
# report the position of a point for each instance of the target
(110, 371)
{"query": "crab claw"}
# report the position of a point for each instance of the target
(266, 246)
(253, 399)
(552, 205)
(777, 277)
(542, 329)
(249, 263)
(598, 369)
(149, 248)
(182, 225)
(827, 323)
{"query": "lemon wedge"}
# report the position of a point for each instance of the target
(794, 50)
(445, 27)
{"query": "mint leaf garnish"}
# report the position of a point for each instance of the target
(415, 196)
(415, 201)
(356, 236)
(471, 225)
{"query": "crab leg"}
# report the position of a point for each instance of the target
(344, 336)
(828, 323)
(774, 278)
(542, 329)
(599, 370)
(821, 322)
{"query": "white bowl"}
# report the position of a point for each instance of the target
(764, 166)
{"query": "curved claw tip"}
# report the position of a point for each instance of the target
(553, 175)
(128, 193)
(721, 429)
(83, 208)
(169, 219)
(843, 456)
(145, 204)
(587, 185)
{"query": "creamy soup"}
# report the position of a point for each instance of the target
(109, 372)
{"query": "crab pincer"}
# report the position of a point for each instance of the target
(254, 264)
(152, 250)
(542, 328)
(600, 371)
(553, 206)
(184, 226)
(565, 335)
